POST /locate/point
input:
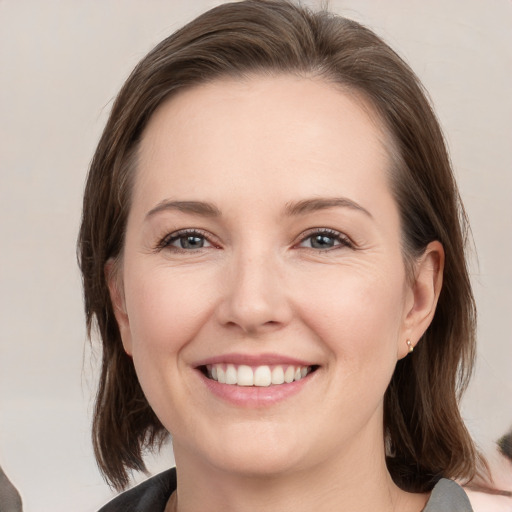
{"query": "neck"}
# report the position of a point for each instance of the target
(354, 482)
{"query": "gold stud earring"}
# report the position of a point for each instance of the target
(409, 344)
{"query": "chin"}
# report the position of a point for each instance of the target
(254, 451)
(262, 462)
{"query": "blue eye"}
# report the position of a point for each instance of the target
(185, 241)
(325, 239)
(191, 242)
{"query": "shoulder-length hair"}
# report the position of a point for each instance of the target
(425, 435)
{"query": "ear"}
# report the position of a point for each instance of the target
(114, 280)
(422, 296)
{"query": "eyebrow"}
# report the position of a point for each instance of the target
(291, 209)
(196, 207)
(321, 203)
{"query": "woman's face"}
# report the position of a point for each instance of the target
(263, 249)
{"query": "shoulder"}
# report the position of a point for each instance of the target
(149, 496)
(448, 496)
(485, 502)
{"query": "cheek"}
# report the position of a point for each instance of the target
(165, 310)
(359, 318)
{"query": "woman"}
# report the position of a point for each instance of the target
(272, 248)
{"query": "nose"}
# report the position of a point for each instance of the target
(254, 297)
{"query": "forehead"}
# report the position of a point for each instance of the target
(280, 127)
(271, 97)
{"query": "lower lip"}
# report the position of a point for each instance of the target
(255, 396)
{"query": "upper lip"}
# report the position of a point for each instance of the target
(253, 360)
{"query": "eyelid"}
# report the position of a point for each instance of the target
(345, 241)
(165, 241)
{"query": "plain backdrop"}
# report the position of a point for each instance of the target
(61, 64)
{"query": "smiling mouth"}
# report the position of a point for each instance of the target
(257, 376)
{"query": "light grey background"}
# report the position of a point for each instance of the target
(61, 64)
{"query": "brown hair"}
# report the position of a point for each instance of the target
(426, 436)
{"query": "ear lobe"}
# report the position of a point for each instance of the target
(425, 291)
(116, 291)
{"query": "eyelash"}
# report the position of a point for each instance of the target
(166, 241)
(344, 241)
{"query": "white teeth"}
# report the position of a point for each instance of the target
(231, 374)
(245, 376)
(260, 376)
(278, 375)
(289, 374)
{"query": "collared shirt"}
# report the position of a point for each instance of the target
(153, 494)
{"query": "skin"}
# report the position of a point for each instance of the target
(258, 286)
